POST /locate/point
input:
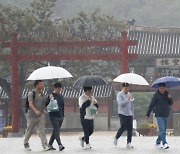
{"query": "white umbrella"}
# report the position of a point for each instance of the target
(131, 78)
(49, 72)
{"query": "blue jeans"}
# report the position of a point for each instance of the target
(162, 124)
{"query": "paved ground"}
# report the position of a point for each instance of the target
(100, 141)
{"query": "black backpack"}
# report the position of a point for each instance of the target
(27, 102)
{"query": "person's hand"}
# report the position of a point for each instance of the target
(95, 101)
(169, 96)
(90, 97)
(129, 96)
(147, 117)
(51, 97)
(38, 113)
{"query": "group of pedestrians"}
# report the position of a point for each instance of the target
(36, 116)
(88, 105)
(36, 110)
(160, 105)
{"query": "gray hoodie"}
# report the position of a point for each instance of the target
(125, 106)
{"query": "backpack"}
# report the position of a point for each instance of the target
(27, 101)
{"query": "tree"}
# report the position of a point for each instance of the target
(25, 22)
(36, 24)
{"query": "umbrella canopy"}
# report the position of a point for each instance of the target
(89, 81)
(131, 78)
(169, 80)
(49, 72)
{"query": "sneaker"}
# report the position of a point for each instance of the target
(27, 147)
(45, 148)
(51, 148)
(81, 141)
(61, 148)
(88, 146)
(165, 146)
(129, 145)
(158, 146)
(115, 141)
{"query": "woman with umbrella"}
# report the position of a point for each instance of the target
(160, 104)
(88, 108)
(88, 105)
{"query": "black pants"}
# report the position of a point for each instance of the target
(56, 123)
(88, 128)
(126, 124)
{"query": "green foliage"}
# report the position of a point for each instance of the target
(143, 124)
(36, 20)
(24, 22)
(141, 103)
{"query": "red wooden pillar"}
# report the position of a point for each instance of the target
(124, 52)
(14, 58)
(15, 82)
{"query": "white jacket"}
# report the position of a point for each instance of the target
(82, 99)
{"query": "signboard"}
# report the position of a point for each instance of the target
(168, 62)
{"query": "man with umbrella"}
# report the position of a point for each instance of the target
(160, 104)
(56, 115)
(125, 111)
(35, 115)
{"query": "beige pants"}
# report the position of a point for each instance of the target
(39, 123)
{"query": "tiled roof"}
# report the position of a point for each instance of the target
(3, 95)
(72, 92)
(155, 41)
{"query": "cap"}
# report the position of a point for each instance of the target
(125, 84)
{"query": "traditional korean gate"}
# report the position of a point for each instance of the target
(15, 57)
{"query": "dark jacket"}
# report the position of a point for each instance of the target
(60, 101)
(160, 104)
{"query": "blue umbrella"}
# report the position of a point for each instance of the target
(169, 80)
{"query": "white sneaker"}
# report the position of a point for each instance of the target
(129, 145)
(88, 146)
(115, 141)
(45, 148)
(81, 141)
(158, 146)
(61, 148)
(165, 146)
(27, 147)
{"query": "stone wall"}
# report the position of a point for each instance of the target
(176, 124)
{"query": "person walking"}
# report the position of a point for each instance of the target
(125, 111)
(160, 104)
(35, 116)
(56, 117)
(88, 109)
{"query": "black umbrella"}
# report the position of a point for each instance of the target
(89, 81)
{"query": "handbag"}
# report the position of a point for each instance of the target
(91, 111)
(53, 106)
